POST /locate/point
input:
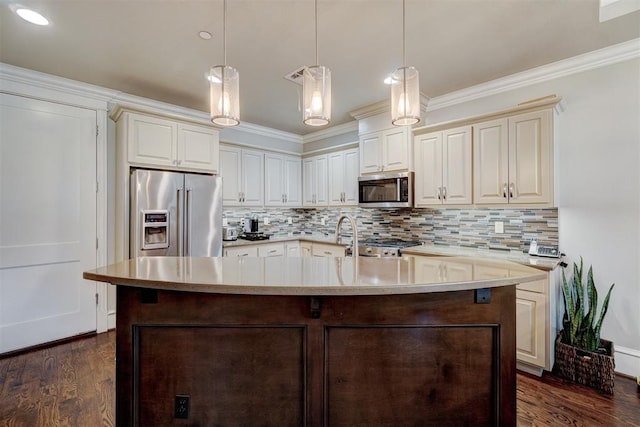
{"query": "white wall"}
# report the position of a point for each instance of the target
(598, 184)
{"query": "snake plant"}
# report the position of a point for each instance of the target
(582, 330)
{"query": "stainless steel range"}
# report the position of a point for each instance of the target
(385, 247)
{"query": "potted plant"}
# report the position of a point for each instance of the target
(581, 355)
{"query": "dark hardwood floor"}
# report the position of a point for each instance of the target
(72, 384)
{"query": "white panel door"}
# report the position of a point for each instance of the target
(350, 178)
(336, 177)
(395, 143)
(428, 165)
(490, 162)
(273, 180)
(252, 178)
(47, 221)
(231, 172)
(371, 153)
(198, 148)
(293, 181)
(456, 166)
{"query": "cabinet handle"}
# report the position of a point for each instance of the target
(286, 198)
(327, 253)
(439, 193)
(512, 189)
(273, 251)
(245, 254)
(444, 193)
(504, 190)
(239, 196)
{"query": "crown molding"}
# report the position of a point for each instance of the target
(577, 64)
(331, 132)
(269, 132)
(383, 107)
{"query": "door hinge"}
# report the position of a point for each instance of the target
(96, 299)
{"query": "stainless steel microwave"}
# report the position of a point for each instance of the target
(386, 191)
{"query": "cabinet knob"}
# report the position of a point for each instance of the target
(504, 190)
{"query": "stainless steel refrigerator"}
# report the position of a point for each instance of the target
(175, 214)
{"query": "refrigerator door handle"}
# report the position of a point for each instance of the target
(180, 220)
(187, 234)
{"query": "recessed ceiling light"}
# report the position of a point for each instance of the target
(31, 16)
(205, 35)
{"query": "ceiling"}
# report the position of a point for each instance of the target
(151, 48)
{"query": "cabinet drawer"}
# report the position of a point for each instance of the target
(268, 250)
(539, 286)
(321, 249)
(251, 251)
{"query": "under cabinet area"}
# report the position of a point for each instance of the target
(159, 142)
(513, 159)
(385, 151)
(443, 168)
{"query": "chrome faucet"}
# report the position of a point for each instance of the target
(354, 227)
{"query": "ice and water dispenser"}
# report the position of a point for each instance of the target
(155, 229)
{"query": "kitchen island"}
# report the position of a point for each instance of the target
(315, 341)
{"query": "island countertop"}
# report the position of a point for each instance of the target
(311, 276)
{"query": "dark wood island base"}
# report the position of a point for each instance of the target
(209, 359)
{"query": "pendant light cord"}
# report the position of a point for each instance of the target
(316, 19)
(404, 35)
(224, 31)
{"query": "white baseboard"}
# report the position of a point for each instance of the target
(627, 361)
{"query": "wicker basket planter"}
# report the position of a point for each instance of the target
(595, 370)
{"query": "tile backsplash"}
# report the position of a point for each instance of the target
(473, 227)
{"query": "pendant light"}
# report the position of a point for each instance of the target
(316, 89)
(224, 86)
(405, 88)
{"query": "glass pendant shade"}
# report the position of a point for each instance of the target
(405, 97)
(316, 92)
(224, 95)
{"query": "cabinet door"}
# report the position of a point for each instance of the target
(322, 183)
(395, 146)
(530, 158)
(428, 169)
(231, 172)
(350, 177)
(456, 166)
(371, 153)
(530, 328)
(490, 162)
(252, 178)
(292, 181)
(308, 182)
(305, 249)
(335, 163)
(273, 180)
(197, 148)
(152, 141)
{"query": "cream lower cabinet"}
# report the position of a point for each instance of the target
(241, 251)
(443, 169)
(158, 142)
(513, 159)
(327, 250)
(305, 249)
(535, 321)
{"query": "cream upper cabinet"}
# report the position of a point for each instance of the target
(242, 176)
(343, 177)
(314, 181)
(443, 169)
(169, 144)
(283, 180)
(385, 151)
(513, 159)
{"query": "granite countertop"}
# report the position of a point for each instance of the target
(314, 276)
(541, 263)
